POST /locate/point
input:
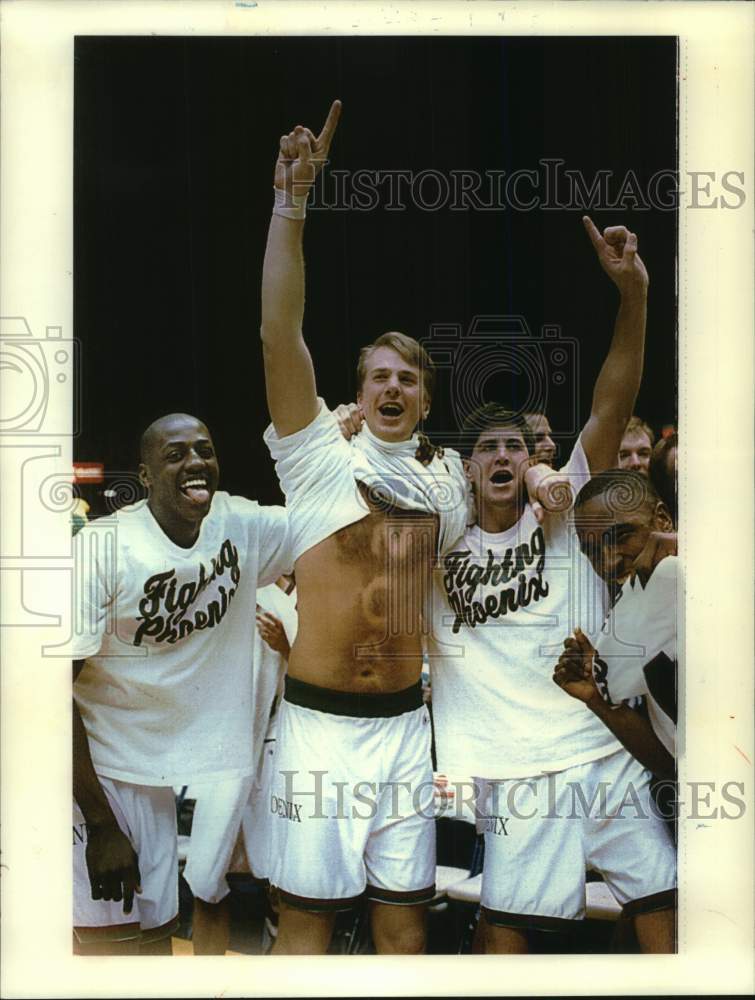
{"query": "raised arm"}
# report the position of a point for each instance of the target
(289, 374)
(619, 380)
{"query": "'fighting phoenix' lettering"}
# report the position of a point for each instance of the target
(165, 606)
(463, 576)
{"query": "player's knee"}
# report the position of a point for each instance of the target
(504, 940)
(656, 931)
(399, 936)
(301, 932)
(410, 942)
(129, 947)
(163, 946)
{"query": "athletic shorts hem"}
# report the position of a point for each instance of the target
(528, 921)
(665, 900)
(111, 932)
(214, 896)
(319, 905)
(247, 878)
(406, 898)
(150, 934)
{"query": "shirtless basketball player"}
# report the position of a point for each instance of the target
(352, 789)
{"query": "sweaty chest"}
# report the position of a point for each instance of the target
(399, 539)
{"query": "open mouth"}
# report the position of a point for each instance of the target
(196, 489)
(501, 478)
(390, 410)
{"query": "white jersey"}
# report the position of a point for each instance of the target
(270, 666)
(637, 648)
(167, 692)
(320, 473)
(503, 604)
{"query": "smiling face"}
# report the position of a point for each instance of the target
(635, 451)
(391, 395)
(613, 539)
(180, 470)
(496, 470)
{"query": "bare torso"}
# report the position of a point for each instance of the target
(362, 597)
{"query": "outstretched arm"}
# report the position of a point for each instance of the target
(289, 374)
(619, 380)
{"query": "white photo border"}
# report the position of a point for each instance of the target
(715, 416)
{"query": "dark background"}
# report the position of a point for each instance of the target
(175, 141)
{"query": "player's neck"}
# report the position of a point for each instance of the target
(388, 438)
(495, 518)
(182, 533)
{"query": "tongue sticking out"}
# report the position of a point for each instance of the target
(197, 494)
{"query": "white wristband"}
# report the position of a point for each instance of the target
(290, 205)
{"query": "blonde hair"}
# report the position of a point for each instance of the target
(409, 349)
(415, 355)
(637, 425)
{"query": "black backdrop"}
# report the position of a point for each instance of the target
(174, 145)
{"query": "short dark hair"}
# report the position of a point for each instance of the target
(150, 435)
(662, 477)
(493, 415)
(535, 415)
(409, 349)
(626, 491)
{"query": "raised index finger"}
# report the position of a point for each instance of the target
(593, 232)
(329, 127)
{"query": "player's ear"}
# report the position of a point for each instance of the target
(663, 518)
(144, 476)
(470, 470)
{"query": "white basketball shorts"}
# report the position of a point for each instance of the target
(351, 800)
(214, 828)
(147, 815)
(542, 833)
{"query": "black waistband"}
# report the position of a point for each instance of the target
(378, 705)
